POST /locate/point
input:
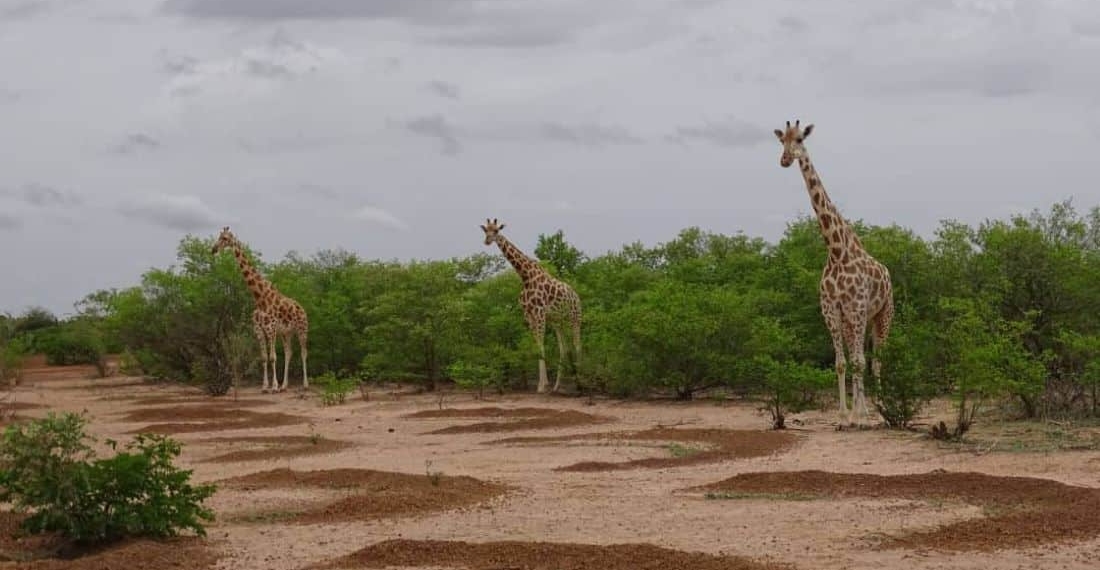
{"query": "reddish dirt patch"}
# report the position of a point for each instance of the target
(373, 494)
(520, 419)
(1021, 512)
(720, 445)
(275, 447)
(21, 405)
(44, 552)
(212, 419)
(200, 399)
(511, 555)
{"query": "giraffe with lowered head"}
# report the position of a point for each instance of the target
(544, 299)
(855, 288)
(275, 315)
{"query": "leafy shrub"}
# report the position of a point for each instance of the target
(474, 376)
(791, 387)
(47, 468)
(906, 384)
(335, 390)
(71, 343)
(12, 353)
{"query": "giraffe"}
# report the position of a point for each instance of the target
(855, 288)
(543, 299)
(275, 315)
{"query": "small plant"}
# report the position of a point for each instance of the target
(335, 390)
(12, 353)
(48, 469)
(679, 451)
(314, 437)
(434, 477)
(474, 376)
(364, 389)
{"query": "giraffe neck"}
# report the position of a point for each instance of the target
(838, 235)
(257, 285)
(525, 266)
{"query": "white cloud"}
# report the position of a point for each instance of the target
(379, 216)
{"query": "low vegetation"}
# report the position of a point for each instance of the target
(48, 469)
(1002, 312)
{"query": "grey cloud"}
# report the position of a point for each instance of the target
(376, 215)
(24, 9)
(793, 24)
(437, 127)
(730, 133)
(43, 196)
(9, 95)
(1002, 77)
(1086, 27)
(421, 11)
(512, 36)
(589, 134)
(443, 89)
(135, 142)
(270, 70)
(180, 64)
(10, 222)
(318, 191)
(182, 213)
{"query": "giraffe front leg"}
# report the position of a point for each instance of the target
(263, 358)
(288, 352)
(561, 358)
(537, 322)
(272, 360)
(302, 352)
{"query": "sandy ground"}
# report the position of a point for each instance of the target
(645, 505)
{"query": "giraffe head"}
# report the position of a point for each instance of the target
(492, 230)
(792, 138)
(225, 239)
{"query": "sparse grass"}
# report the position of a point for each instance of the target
(265, 517)
(678, 450)
(1031, 437)
(734, 496)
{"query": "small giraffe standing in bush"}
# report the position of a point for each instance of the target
(275, 315)
(543, 299)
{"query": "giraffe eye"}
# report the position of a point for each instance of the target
(799, 139)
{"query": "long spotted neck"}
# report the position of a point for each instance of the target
(257, 285)
(839, 236)
(525, 266)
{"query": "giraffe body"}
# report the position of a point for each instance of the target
(855, 290)
(545, 300)
(275, 316)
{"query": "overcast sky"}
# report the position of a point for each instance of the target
(392, 128)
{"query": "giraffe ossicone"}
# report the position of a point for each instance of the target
(275, 315)
(544, 299)
(855, 289)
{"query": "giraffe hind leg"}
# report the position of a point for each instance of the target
(302, 338)
(288, 352)
(562, 356)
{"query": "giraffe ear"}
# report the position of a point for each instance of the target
(778, 134)
(483, 228)
(806, 132)
(501, 227)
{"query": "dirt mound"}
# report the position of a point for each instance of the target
(521, 419)
(486, 412)
(199, 399)
(21, 405)
(372, 494)
(216, 419)
(710, 446)
(536, 556)
(48, 552)
(1021, 512)
(275, 447)
(182, 413)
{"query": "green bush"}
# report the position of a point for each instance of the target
(907, 371)
(12, 353)
(334, 390)
(791, 387)
(48, 469)
(71, 343)
(474, 376)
